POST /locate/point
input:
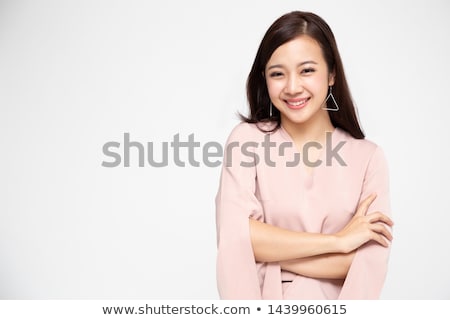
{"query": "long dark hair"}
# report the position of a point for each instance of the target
(287, 28)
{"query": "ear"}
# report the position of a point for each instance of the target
(331, 77)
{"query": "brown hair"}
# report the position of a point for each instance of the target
(287, 28)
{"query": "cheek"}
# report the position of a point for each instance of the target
(319, 86)
(274, 88)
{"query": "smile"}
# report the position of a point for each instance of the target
(296, 103)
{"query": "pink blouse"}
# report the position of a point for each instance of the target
(262, 179)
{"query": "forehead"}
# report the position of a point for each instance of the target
(299, 49)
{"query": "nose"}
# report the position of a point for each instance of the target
(294, 85)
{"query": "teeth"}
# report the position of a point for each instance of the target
(297, 103)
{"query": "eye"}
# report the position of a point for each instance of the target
(275, 74)
(308, 70)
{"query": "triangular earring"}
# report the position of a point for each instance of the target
(335, 106)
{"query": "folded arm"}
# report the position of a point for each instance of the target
(272, 243)
(320, 255)
(325, 266)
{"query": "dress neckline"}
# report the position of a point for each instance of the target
(309, 171)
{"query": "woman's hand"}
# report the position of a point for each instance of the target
(364, 227)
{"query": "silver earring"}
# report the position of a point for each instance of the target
(270, 110)
(335, 105)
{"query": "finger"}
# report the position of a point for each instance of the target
(379, 217)
(364, 205)
(382, 230)
(381, 240)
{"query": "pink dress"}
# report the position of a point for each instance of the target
(269, 185)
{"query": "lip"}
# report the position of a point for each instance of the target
(293, 103)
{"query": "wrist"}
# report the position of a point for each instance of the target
(337, 244)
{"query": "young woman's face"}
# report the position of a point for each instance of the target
(297, 79)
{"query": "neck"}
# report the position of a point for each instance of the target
(313, 130)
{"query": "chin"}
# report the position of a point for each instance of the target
(296, 121)
(298, 118)
(302, 116)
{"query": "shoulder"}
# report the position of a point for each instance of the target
(365, 149)
(244, 131)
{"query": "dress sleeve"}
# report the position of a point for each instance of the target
(367, 272)
(237, 276)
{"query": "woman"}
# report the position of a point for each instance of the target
(303, 203)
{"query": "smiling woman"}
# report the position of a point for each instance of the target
(297, 76)
(303, 231)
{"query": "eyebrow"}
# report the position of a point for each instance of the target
(299, 65)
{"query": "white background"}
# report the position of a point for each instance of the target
(77, 74)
